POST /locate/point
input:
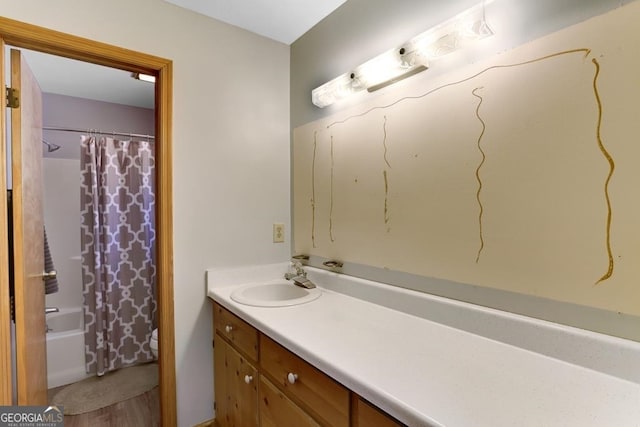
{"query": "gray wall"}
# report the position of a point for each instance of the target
(79, 113)
(362, 29)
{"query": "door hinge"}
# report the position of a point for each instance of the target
(13, 97)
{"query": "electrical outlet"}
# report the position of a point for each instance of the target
(278, 233)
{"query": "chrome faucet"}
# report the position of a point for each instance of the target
(303, 282)
(299, 271)
(49, 310)
(299, 276)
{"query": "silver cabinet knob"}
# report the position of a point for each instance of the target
(248, 379)
(228, 328)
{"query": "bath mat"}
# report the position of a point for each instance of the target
(100, 392)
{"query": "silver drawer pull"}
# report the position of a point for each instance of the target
(248, 379)
(228, 328)
(292, 378)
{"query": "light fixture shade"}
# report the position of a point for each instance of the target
(144, 77)
(391, 66)
(381, 71)
(339, 88)
(453, 34)
(413, 57)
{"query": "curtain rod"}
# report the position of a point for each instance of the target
(90, 131)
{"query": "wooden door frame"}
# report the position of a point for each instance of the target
(41, 39)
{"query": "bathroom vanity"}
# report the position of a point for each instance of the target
(365, 354)
(259, 382)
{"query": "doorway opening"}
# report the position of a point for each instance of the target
(51, 42)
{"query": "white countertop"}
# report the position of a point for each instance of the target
(427, 374)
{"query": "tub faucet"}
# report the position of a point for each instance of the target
(48, 310)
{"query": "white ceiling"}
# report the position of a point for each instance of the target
(281, 20)
(69, 77)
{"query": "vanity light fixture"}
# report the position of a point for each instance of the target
(144, 77)
(411, 58)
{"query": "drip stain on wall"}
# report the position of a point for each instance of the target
(385, 174)
(386, 199)
(313, 189)
(384, 142)
(331, 195)
(474, 92)
(612, 166)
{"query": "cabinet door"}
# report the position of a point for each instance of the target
(365, 414)
(276, 410)
(220, 388)
(236, 390)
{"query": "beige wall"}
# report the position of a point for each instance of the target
(491, 174)
(231, 151)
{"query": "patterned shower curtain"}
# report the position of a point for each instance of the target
(118, 251)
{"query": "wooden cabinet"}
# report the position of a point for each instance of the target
(235, 356)
(239, 333)
(235, 387)
(258, 382)
(277, 410)
(364, 414)
(319, 394)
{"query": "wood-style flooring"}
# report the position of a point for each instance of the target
(139, 411)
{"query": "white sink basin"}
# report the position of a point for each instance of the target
(278, 293)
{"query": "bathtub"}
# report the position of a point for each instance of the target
(65, 347)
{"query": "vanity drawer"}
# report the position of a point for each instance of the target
(239, 333)
(323, 397)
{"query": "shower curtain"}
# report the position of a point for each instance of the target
(118, 251)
